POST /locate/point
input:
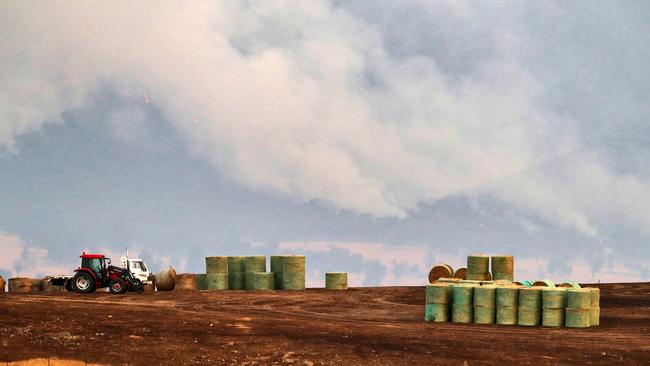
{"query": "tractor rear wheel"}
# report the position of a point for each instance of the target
(117, 286)
(83, 283)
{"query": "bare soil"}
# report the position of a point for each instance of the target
(361, 326)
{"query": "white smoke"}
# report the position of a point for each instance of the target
(304, 99)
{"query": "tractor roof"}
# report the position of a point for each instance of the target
(91, 256)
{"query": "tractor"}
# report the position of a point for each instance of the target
(96, 272)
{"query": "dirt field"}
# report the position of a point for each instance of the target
(364, 326)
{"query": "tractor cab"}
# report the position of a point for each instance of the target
(97, 263)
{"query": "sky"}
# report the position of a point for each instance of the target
(374, 137)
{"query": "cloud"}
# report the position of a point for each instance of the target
(20, 259)
(312, 101)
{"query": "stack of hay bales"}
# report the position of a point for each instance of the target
(166, 280)
(440, 271)
(336, 280)
(553, 304)
(20, 284)
(478, 268)
(594, 317)
(439, 297)
(503, 267)
(485, 304)
(530, 306)
(236, 273)
(292, 272)
(216, 273)
(507, 300)
(578, 310)
(463, 303)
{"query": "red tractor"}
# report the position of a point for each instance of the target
(96, 272)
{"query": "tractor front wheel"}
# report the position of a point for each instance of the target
(117, 286)
(84, 283)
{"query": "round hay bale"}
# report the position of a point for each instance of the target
(554, 298)
(216, 281)
(553, 317)
(37, 285)
(462, 313)
(336, 280)
(255, 263)
(216, 265)
(577, 318)
(439, 293)
(149, 287)
(293, 264)
(166, 280)
(236, 280)
(276, 267)
(507, 315)
(293, 281)
(524, 283)
(259, 280)
(461, 273)
(20, 285)
(529, 316)
(436, 312)
(478, 263)
(595, 296)
(463, 294)
(235, 264)
(479, 276)
(484, 314)
(186, 281)
(2, 284)
(201, 281)
(440, 271)
(485, 296)
(594, 316)
(569, 285)
(578, 298)
(544, 283)
(503, 267)
(507, 296)
(530, 297)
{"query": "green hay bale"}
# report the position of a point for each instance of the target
(577, 318)
(478, 264)
(569, 284)
(216, 264)
(336, 280)
(439, 293)
(293, 263)
(484, 314)
(217, 281)
(503, 277)
(463, 294)
(276, 261)
(279, 281)
(507, 296)
(507, 315)
(530, 298)
(461, 313)
(525, 283)
(236, 280)
(485, 296)
(479, 276)
(201, 282)
(578, 298)
(594, 316)
(503, 267)
(236, 264)
(554, 298)
(436, 312)
(255, 263)
(293, 281)
(259, 280)
(553, 317)
(502, 282)
(529, 316)
(595, 296)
